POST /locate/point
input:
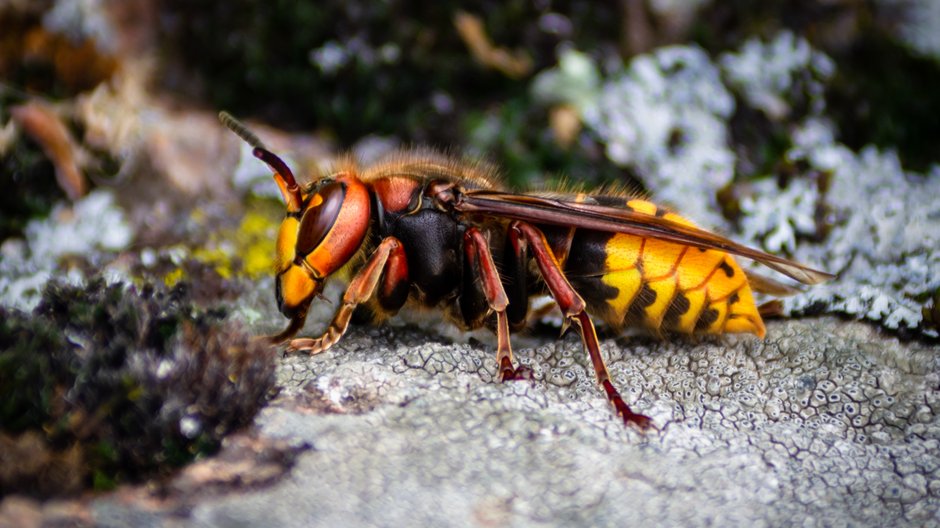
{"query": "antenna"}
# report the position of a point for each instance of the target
(282, 173)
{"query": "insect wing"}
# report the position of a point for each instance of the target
(554, 211)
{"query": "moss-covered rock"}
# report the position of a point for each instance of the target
(105, 383)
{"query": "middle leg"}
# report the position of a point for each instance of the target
(479, 258)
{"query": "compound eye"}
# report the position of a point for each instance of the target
(322, 210)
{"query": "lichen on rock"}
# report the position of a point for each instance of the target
(823, 422)
(665, 114)
(94, 224)
(884, 238)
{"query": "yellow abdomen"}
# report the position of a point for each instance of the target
(657, 285)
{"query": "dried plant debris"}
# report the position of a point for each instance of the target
(45, 127)
(29, 182)
(245, 461)
(515, 65)
(107, 383)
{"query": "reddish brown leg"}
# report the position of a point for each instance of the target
(478, 255)
(573, 308)
(388, 263)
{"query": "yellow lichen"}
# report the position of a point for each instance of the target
(244, 251)
(173, 277)
(218, 258)
(256, 243)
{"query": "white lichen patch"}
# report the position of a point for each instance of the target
(666, 115)
(330, 57)
(82, 19)
(823, 413)
(920, 24)
(93, 224)
(574, 81)
(333, 56)
(885, 236)
(767, 74)
(776, 217)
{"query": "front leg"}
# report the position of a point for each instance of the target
(387, 266)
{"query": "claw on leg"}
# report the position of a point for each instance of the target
(306, 345)
(642, 421)
(589, 339)
(509, 373)
(312, 346)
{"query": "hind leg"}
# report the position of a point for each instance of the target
(573, 309)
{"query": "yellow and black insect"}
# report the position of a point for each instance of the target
(424, 229)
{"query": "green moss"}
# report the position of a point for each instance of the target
(136, 383)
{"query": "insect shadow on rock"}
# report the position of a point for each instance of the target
(424, 229)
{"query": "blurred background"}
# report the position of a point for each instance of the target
(509, 80)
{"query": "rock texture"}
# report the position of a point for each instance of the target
(824, 423)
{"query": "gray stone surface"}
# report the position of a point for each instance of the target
(823, 423)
